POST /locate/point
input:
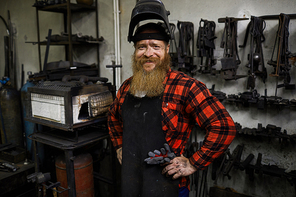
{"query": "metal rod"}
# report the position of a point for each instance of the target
(70, 172)
(38, 37)
(47, 50)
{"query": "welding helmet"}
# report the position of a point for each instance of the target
(147, 10)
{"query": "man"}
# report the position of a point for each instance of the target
(158, 105)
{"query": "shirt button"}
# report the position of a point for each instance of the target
(167, 104)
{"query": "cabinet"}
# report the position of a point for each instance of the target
(68, 9)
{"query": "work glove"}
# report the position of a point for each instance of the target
(160, 156)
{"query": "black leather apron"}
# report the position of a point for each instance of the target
(142, 132)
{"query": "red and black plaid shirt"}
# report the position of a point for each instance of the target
(185, 102)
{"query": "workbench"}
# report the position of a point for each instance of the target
(11, 181)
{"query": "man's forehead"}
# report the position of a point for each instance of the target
(150, 42)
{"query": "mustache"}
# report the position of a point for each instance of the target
(143, 60)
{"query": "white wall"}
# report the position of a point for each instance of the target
(23, 16)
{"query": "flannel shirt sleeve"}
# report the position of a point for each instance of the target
(114, 123)
(212, 116)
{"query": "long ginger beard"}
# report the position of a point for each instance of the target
(150, 83)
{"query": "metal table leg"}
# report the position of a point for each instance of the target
(70, 172)
(36, 162)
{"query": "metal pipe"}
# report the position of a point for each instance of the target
(117, 42)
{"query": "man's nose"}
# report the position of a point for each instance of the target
(148, 52)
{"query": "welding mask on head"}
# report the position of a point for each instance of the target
(147, 10)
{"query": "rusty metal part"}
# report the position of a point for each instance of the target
(282, 64)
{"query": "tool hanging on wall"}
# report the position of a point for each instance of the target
(198, 180)
(218, 94)
(261, 101)
(234, 162)
(230, 60)
(185, 52)
(205, 45)
(269, 132)
(173, 51)
(256, 61)
(282, 65)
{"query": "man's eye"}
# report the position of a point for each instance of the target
(141, 47)
(157, 47)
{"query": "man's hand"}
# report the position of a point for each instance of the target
(178, 167)
(119, 154)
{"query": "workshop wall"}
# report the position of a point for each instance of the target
(273, 153)
(23, 19)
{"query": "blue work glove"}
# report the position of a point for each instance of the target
(160, 156)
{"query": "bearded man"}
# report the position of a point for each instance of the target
(158, 106)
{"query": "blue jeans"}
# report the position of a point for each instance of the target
(183, 192)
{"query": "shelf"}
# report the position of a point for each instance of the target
(12, 181)
(73, 42)
(58, 141)
(276, 17)
(62, 8)
(65, 127)
(67, 9)
(67, 43)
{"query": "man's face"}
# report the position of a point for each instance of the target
(150, 53)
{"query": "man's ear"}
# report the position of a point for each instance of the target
(168, 48)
